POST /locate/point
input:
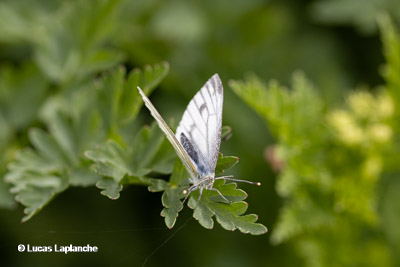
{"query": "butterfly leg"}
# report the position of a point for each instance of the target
(214, 189)
(198, 200)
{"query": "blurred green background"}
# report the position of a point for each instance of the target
(48, 47)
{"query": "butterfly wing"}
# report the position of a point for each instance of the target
(182, 154)
(199, 131)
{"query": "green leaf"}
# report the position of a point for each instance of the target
(291, 114)
(331, 164)
(46, 146)
(55, 163)
(158, 185)
(116, 161)
(109, 90)
(111, 159)
(22, 91)
(391, 211)
(226, 133)
(111, 187)
(172, 205)
(28, 160)
(72, 46)
(22, 24)
(78, 121)
(163, 160)
(35, 190)
(145, 147)
(83, 177)
(101, 59)
(391, 50)
(67, 137)
(229, 216)
(6, 199)
(173, 193)
(119, 101)
(224, 163)
(300, 216)
(147, 79)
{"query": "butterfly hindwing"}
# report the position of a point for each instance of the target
(201, 125)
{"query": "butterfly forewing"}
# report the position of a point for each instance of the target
(199, 131)
(180, 151)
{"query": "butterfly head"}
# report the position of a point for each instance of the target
(201, 182)
(207, 181)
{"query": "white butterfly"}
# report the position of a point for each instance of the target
(198, 136)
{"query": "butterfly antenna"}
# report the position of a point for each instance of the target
(190, 190)
(229, 178)
(187, 193)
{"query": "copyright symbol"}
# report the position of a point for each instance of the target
(21, 248)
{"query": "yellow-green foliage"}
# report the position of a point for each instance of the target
(335, 163)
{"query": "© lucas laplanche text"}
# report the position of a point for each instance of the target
(56, 248)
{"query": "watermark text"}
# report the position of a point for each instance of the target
(57, 248)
